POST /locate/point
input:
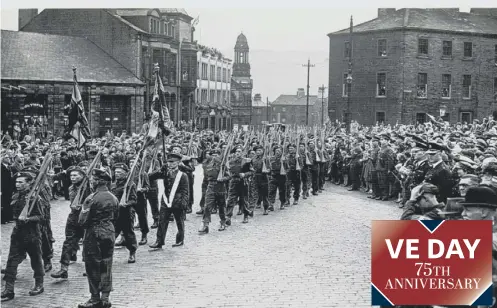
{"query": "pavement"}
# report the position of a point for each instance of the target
(314, 254)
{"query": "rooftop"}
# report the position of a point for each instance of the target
(294, 100)
(447, 20)
(48, 57)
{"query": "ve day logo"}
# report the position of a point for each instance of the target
(431, 262)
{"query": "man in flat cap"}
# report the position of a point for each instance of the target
(73, 231)
(26, 236)
(127, 202)
(98, 215)
(423, 203)
(173, 193)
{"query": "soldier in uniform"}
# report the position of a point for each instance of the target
(314, 167)
(293, 175)
(304, 172)
(25, 238)
(74, 232)
(215, 195)
(384, 165)
(140, 207)
(239, 171)
(321, 165)
(151, 192)
(278, 180)
(125, 219)
(186, 167)
(174, 198)
(439, 174)
(260, 177)
(205, 180)
(98, 216)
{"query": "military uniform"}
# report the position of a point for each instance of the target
(260, 179)
(293, 176)
(314, 169)
(238, 188)
(304, 172)
(277, 180)
(215, 195)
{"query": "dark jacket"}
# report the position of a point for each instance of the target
(182, 194)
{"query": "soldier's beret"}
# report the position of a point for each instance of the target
(236, 148)
(215, 151)
(257, 147)
(310, 141)
(174, 157)
(122, 166)
(23, 174)
(101, 174)
(83, 164)
(291, 145)
(76, 169)
(276, 147)
(31, 169)
(480, 196)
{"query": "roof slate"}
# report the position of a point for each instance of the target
(294, 100)
(48, 57)
(429, 19)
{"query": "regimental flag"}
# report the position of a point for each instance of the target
(78, 124)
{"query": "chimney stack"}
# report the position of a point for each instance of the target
(25, 16)
(300, 92)
(383, 12)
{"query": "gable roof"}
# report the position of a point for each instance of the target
(446, 20)
(294, 100)
(48, 57)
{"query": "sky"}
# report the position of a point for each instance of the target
(281, 37)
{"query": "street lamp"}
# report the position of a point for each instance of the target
(349, 88)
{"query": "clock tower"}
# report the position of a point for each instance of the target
(241, 84)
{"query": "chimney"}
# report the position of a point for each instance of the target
(383, 12)
(257, 97)
(300, 92)
(491, 12)
(25, 16)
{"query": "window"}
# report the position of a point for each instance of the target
(422, 90)
(380, 117)
(346, 87)
(423, 46)
(229, 74)
(212, 98)
(447, 49)
(213, 73)
(218, 74)
(420, 118)
(154, 26)
(218, 96)
(466, 117)
(204, 71)
(283, 109)
(468, 49)
(204, 96)
(446, 85)
(283, 120)
(466, 86)
(381, 87)
(382, 48)
(347, 52)
(446, 117)
(224, 75)
(495, 56)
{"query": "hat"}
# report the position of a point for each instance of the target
(480, 196)
(122, 166)
(435, 147)
(30, 176)
(235, 148)
(276, 147)
(101, 174)
(258, 147)
(291, 145)
(84, 164)
(76, 169)
(215, 151)
(174, 157)
(421, 189)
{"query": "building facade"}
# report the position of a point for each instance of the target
(37, 89)
(292, 109)
(410, 62)
(213, 94)
(241, 84)
(137, 38)
(261, 111)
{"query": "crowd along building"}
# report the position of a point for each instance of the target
(408, 63)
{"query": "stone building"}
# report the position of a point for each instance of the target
(136, 38)
(241, 84)
(261, 111)
(410, 62)
(37, 84)
(292, 109)
(213, 98)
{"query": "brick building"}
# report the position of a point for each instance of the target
(261, 111)
(241, 84)
(136, 38)
(213, 96)
(291, 109)
(409, 62)
(37, 83)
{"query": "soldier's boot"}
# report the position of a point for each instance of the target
(200, 212)
(155, 245)
(120, 242)
(222, 227)
(93, 302)
(105, 300)
(295, 201)
(271, 208)
(304, 196)
(132, 257)
(282, 206)
(38, 288)
(287, 202)
(228, 221)
(204, 229)
(8, 292)
(48, 266)
(62, 273)
(74, 257)
(240, 212)
(155, 225)
(245, 219)
(144, 239)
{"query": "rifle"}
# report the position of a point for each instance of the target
(282, 166)
(225, 157)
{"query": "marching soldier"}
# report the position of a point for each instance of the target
(314, 167)
(141, 203)
(305, 175)
(260, 177)
(215, 195)
(174, 198)
(125, 220)
(205, 181)
(278, 180)
(98, 216)
(25, 238)
(293, 175)
(239, 171)
(74, 232)
(151, 193)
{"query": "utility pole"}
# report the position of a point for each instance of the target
(267, 109)
(308, 65)
(322, 104)
(349, 79)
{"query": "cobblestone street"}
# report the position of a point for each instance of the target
(315, 254)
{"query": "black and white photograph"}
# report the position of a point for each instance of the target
(224, 154)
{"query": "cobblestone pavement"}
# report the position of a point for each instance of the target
(315, 254)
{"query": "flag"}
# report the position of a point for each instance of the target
(78, 124)
(157, 113)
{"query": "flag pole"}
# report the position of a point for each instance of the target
(161, 115)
